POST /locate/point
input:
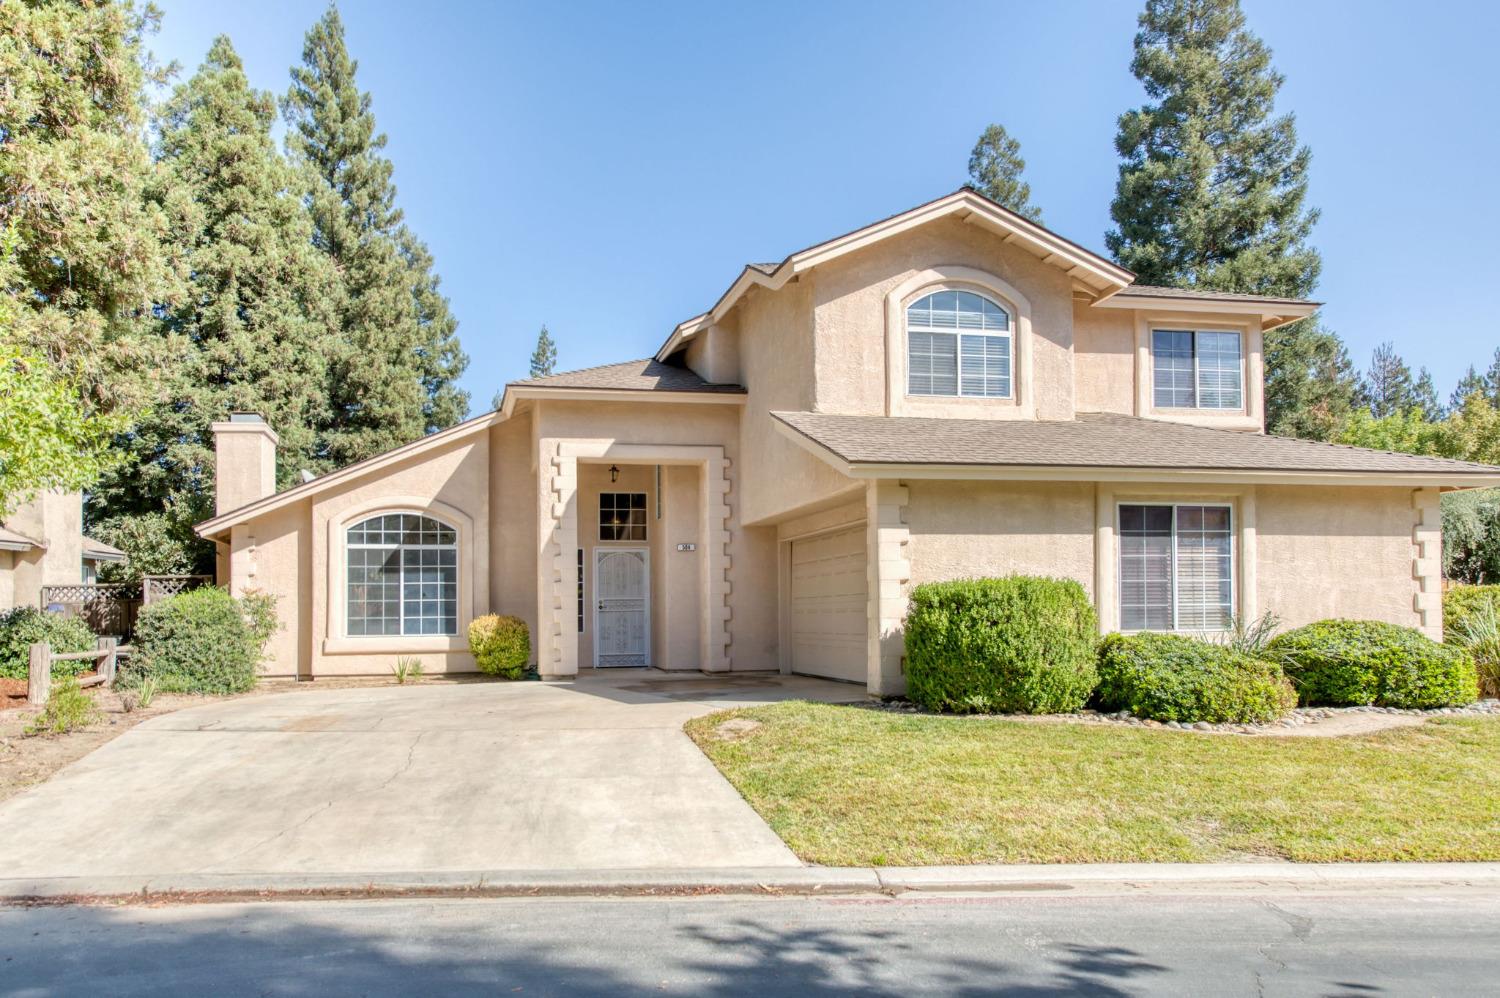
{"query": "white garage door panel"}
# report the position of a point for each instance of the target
(829, 608)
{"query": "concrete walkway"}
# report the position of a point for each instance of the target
(436, 777)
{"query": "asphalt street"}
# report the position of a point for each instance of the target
(1410, 943)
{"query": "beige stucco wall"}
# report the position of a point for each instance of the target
(56, 520)
(1335, 552)
(1104, 359)
(512, 498)
(849, 298)
(273, 554)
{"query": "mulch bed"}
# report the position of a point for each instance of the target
(13, 691)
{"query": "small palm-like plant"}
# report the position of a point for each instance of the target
(1250, 637)
(407, 668)
(1479, 634)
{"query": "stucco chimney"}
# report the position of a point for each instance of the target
(244, 461)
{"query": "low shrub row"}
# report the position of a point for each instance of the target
(1028, 645)
(26, 625)
(203, 641)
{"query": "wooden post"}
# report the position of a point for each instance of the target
(39, 682)
(107, 658)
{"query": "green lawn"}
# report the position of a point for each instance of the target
(851, 787)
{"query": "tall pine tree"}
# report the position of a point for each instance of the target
(544, 357)
(1424, 393)
(256, 327)
(996, 168)
(1388, 384)
(1470, 384)
(1212, 194)
(397, 376)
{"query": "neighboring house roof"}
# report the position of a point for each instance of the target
(12, 541)
(648, 375)
(99, 551)
(1095, 443)
(1099, 276)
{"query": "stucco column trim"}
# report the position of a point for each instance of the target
(888, 576)
(1106, 599)
(1427, 561)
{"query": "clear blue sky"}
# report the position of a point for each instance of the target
(607, 168)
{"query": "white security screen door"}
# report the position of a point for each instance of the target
(622, 607)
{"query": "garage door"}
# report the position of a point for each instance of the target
(828, 605)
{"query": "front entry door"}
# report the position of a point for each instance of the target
(622, 607)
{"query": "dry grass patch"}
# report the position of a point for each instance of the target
(849, 786)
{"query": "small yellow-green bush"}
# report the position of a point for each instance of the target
(68, 708)
(501, 645)
(1461, 603)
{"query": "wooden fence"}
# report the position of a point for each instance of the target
(112, 607)
(105, 656)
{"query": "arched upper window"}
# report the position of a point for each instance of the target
(958, 343)
(402, 576)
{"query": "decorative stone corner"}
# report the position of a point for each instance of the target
(889, 578)
(1427, 561)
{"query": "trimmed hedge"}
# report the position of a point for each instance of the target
(26, 625)
(1021, 644)
(202, 641)
(1168, 677)
(1461, 603)
(501, 645)
(1367, 662)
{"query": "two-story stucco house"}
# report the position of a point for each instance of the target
(953, 391)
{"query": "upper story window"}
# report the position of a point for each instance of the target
(958, 343)
(1196, 369)
(402, 576)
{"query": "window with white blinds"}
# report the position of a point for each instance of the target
(1196, 369)
(958, 343)
(1176, 565)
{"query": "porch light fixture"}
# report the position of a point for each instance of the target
(614, 473)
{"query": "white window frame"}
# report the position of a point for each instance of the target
(347, 528)
(1008, 335)
(1234, 568)
(1197, 405)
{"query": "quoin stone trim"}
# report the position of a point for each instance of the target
(557, 652)
(888, 573)
(1427, 561)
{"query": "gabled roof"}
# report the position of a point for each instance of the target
(99, 551)
(1089, 270)
(648, 375)
(1099, 446)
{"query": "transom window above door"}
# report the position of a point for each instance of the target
(958, 343)
(622, 516)
(1196, 369)
(402, 576)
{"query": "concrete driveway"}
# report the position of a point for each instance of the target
(435, 777)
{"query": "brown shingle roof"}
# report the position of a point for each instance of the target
(1155, 291)
(647, 375)
(1098, 440)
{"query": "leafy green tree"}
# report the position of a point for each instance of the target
(84, 255)
(396, 378)
(155, 543)
(1388, 384)
(544, 357)
(1212, 193)
(1471, 382)
(1404, 430)
(257, 330)
(995, 170)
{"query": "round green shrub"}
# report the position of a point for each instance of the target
(1167, 677)
(1020, 644)
(202, 641)
(501, 645)
(26, 625)
(1462, 603)
(1367, 662)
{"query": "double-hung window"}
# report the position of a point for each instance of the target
(402, 576)
(1196, 369)
(1176, 567)
(958, 343)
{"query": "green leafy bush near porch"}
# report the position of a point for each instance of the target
(1021, 644)
(1364, 662)
(25, 625)
(1462, 603)
(203, 641)
(1167, 677)
(501, 645)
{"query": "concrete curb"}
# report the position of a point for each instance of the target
(804, 881)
